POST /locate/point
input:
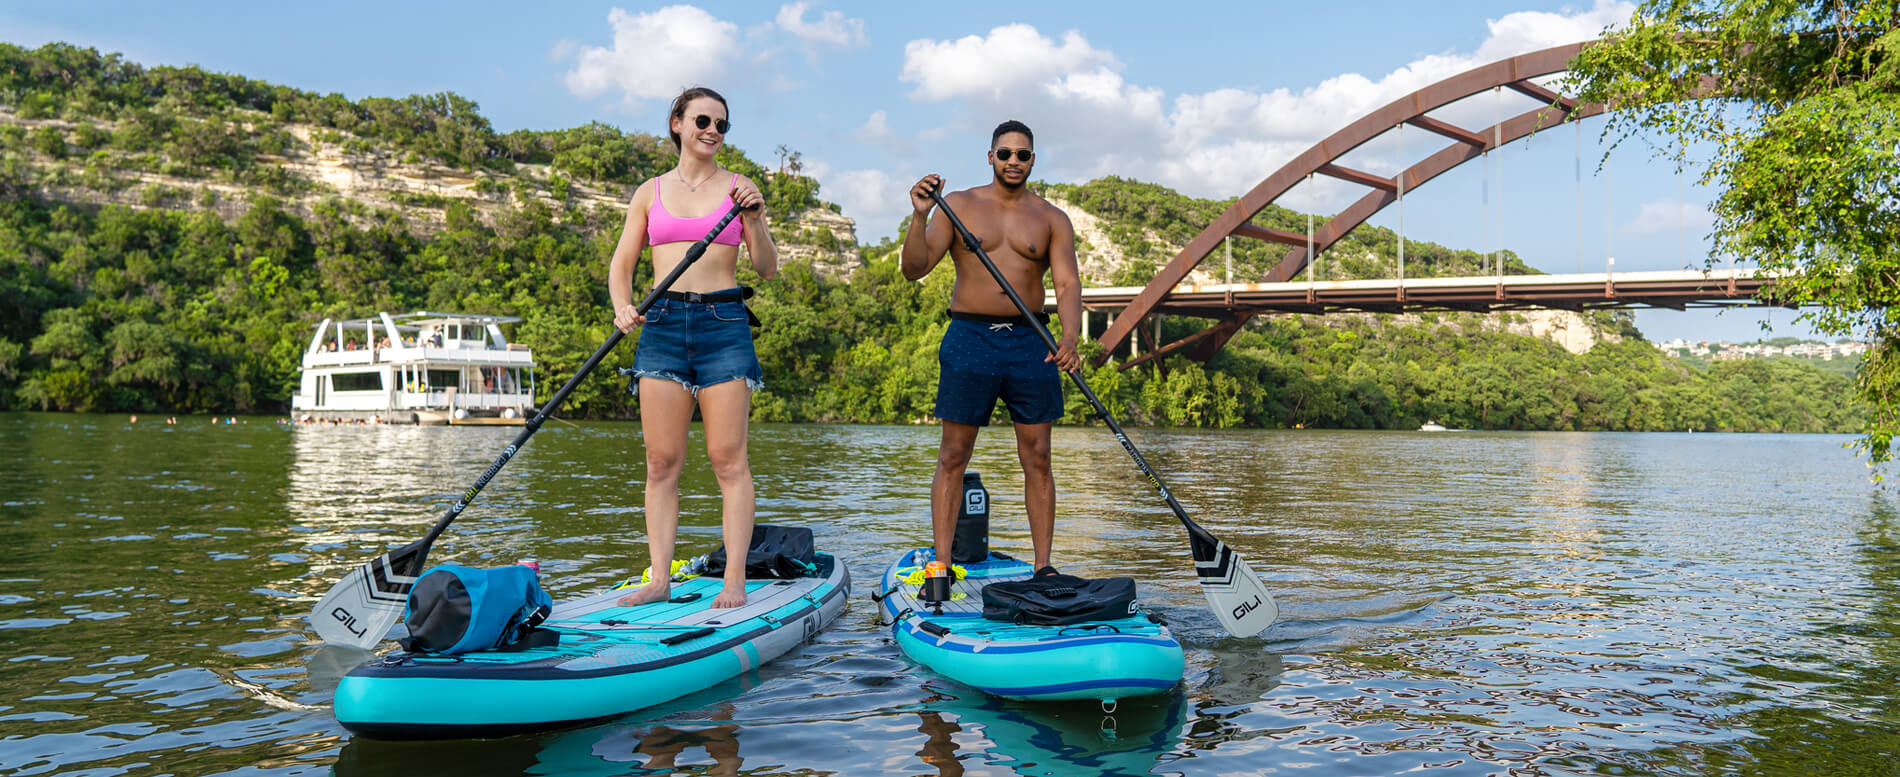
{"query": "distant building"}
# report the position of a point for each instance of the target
(1725, 350)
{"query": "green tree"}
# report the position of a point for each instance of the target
(50, 141)
(1804, 159)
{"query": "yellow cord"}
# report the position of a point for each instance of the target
(683, 570)
(915, 575)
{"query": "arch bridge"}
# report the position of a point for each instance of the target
(1231, 306)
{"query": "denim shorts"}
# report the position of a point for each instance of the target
(696, 344)
(979, 363)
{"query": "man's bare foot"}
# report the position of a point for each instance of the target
(657, 590)
(730, 596)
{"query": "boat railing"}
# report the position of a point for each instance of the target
(481, 355)
(493, 399)
(488, 356)
(479, 399)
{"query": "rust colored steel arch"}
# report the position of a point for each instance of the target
(1514, 73)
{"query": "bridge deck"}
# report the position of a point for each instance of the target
(1678, 289)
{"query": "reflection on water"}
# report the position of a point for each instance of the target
(1469, 604)
(710, 747)
(952, 732)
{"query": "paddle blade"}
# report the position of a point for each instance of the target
(362, 607)
(1238, 598)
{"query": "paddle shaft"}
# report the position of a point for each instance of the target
(1049, 340)
(693, 253)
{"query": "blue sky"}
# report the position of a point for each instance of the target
(1207, 98)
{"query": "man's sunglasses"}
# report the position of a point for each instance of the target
(1002, 154)
(703, 121)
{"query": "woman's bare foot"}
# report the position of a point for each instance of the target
(730, 595)
(649, 593)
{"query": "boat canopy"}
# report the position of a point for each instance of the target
(460, 330)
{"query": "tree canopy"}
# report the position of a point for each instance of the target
(203, 301)
(1805, 127)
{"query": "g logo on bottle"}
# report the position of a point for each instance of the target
(976, 502)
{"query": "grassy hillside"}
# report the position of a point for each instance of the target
(168, 237)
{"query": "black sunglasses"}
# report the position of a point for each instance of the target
(1002, 154)
(703, 121)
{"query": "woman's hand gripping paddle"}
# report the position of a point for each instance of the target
(362, 607)
(1234, 593)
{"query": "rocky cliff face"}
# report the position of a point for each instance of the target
(825, 239)
(325, 166)
(1099, 256)
(1572, 331)
(420, 191)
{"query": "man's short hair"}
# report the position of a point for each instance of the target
(1012, 126)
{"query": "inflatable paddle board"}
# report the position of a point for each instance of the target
(1103, 660)
(591, 658)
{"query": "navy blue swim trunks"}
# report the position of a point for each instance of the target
(980, 362)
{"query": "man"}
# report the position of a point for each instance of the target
(990, 351)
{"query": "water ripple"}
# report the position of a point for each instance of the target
(1527, 604)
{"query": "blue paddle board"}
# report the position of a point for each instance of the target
(1102, 660)
(592, 658)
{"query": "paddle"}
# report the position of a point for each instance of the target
(1237, 597)
(362, 607)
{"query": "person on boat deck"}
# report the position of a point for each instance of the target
(989, 351)
(695, 343)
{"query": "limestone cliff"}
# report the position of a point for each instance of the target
(324, 165)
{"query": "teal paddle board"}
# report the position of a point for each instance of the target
(1102, 660)
(592, 658)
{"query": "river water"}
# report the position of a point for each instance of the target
(1455, 603)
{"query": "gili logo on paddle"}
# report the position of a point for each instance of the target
(349, 621)
(1240, 613)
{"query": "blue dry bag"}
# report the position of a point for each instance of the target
(456, 609)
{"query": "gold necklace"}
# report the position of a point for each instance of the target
(693, 187)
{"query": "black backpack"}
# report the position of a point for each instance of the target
(1057, 600)
(777, 552)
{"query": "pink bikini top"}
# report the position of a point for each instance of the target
(664, 227)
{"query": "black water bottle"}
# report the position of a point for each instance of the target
(972, 542)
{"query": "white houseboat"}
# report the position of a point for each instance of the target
(415, 368)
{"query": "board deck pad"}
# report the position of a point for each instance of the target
(591, 658)
(1105, 660)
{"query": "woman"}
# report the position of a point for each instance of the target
(695, 343)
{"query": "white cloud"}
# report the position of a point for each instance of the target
(1090, 120)
(1524, 31)
(831, 28)
(876, 128)
(876, 131)
(1012, 56)
(654, 55)
(1664, 216)
(877, 199)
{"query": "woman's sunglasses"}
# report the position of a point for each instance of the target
(1002, 154)
(703, 121)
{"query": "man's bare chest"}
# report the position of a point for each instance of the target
(1019, 235)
